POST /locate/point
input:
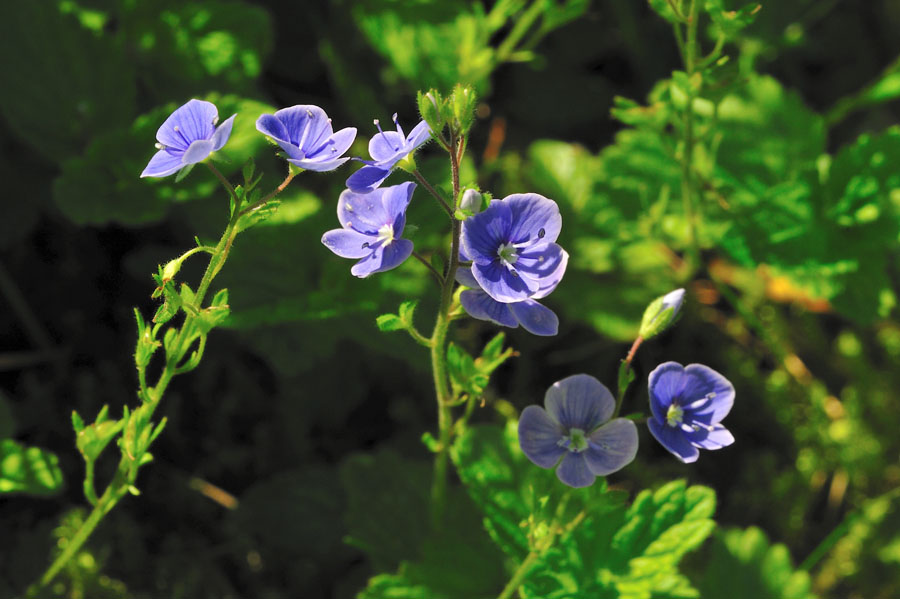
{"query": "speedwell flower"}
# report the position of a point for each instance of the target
(372, 224)
(187, 137)
(387, 149)
(304, 133)
(575, 434)
(512, 247)
(534, 317)
(687, 404)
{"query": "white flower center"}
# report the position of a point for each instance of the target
(386, 234)
(575, 441)
(674, 415)
(507, 253)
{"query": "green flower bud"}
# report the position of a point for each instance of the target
(661, 313)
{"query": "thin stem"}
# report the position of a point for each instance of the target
(633, 350)
(287, 180)
(437, 276)
(224, 182)
(421, 179)
(622, 389)
(687, 188)
(508, 45)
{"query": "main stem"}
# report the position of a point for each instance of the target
(121, 481)
(442, 389)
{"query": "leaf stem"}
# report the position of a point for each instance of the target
(438, 277)
(421, 179)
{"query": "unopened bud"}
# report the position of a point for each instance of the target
(661, 313)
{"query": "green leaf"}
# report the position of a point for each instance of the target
(91, 440)
(28, 470)
(728, 23)
(664, 9)
(743, 565)
(390, 322)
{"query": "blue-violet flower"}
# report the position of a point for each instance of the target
(387, 149)
(372, 224)
(534, 317)
(512, 247)
(304, 133)
(575, 434)
(687, 405)
(187, 137)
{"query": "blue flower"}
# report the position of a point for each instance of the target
(304, 132)
(534, 317)
(687, 404)
(372, 224)
(513, 249)
(187, 137)
(387, 149)
(575, 434)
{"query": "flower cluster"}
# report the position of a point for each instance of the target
(515, 262)
(573, 432)
(387, 149)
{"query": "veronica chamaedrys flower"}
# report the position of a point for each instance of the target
(304, 133)
(512, 247)
(573, 432)
(687, 405)
(372, 224)
(187, 137)
(534, 317)
(387, 148)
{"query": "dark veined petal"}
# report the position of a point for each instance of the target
(534, 218)
(539, 437)
(674, 440)
(483, 233)
(269, 124)
(385, 257)
(717, 438)
(550, 281)
(666, 383)
(502, 284)
(348, 243)
(480, 305)
(367, 179)
(464, 277)
(334, 147)
(540, 262)
(223, 132)
(387, 147)
(396, 199)
(579, 401)
(163, 164)
(189, 122)
(198, 151)
(574, 471)
(612, 446)
(307, 126)
(700, 381)
(418, 136)
(534, 318)
(363, 212)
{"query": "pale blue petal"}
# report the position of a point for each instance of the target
(396, 199)
(348, 243)
(163, 164)
(534, 218)
(198, 151)
(551, 280)
(579, 401)
(717, 438)
(674, 440)
(465, 278)
(418, 136)
(223, 132)
(539, 437)
(319, 166)
(700, 381)
(612, 446)
(387, 148)
(540, 262)
(480, 305)
(502, 284)
(574, 471)
(483, 233)
(367, 179)
(535, 318)
(307, 126)
(189, 122)
(363, 212)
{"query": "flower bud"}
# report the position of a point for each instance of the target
(471, 202)
(661, 313)
(462, 104)
(430, 108)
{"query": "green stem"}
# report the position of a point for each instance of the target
(439, 359)
(437, 276)
(428, 186)
(687, 188)
(523, 24)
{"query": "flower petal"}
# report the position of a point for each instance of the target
(535, 318)
(307, 126)
(223, 132)
(579, 401)
(666, 383)
(269, 124)
(717, 438)
(541, 262)
(551, 280)
(502, 284)
(163, 164)
(367, 179)
(465, 278)
(363, 212)
(674, 440)
(348, 243)
(574, 471)
(539, 437)
(334, 146)
(396, 199)
(418, 136)
(533, 214)
(701, 380)
(188, 123)
(612, 446)
(387, 148)
(198, 151)
(385, 257)
(319, 166)
(480, 305)
(483, 233)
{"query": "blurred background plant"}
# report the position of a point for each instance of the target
(292, 463)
